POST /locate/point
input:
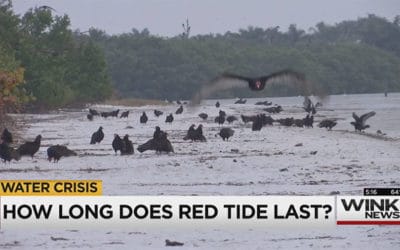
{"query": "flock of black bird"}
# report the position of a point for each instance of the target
(160, 142)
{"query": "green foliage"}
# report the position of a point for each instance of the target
(59, 69)
(351, 57)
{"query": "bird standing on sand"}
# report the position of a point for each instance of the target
(169, 118)
(359, 123)
(225, 133)
(231, 118)
(203, 116)
(6, 136)
(56, 152)
(117, 144)
(143, 118)
(8, 153)
(30, 147)
(179, 110)
(124, 114)
(128, 146)
(157, 112)
(327, 123)
(97, 136)
(159, 143)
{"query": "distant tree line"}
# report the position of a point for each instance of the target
(360, 56)
(47, 64)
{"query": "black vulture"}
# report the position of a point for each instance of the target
(93, 112)
(231, 119)
(169, 243)
(308, 121)
(56, 152)
(128, 146)
(299, 123)
(143, 118)
(157, 133)
(97, 136)
(159, 143)
(286, 121)
(6, 136)
(191, 133)
(124, 114)
(225, 133)
(265, 103)
(359, 123)
(308, 106)
(117, 144)
(257, 123)
(246, 118)
(241, 101)
(8, 153)
(203, 116)
(169, 118)
(115, 113)
(267, 120)
(46, 7)
(179, 110)
(30, 147)
(217, 104)
(157, 112)
(220, 119)
(90, 117)
(327, 123)
(274, 110)
(228, 80)
(199, 134)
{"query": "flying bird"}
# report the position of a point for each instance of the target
(229, 80)
(359, 123)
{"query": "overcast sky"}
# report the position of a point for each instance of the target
(165, 17)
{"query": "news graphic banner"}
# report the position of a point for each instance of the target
(50, 187)
(78, 204)
(147, 212)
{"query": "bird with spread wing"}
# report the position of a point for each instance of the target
(229, 80)
(359, 123)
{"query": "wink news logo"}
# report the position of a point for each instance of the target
(384, 208)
